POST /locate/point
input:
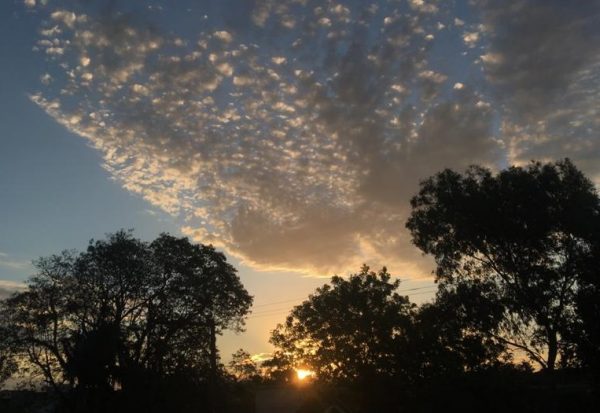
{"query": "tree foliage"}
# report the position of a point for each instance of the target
(278, 368)
(243, 367)
(7, 360)
(348, 329)
(443, 343)
(528, 234)
(360, 329)
(126, 314)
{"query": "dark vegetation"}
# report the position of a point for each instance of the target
(514, 326)
(127, 325)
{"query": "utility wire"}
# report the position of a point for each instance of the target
(277, 311)
(304, 298)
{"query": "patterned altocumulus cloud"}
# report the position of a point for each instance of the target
(292, 133)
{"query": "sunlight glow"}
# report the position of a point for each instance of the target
(304, 374)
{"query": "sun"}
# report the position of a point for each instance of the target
(304, 374)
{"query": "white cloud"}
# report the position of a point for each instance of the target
(7, 262)
(8, 287)
(543, 64)
(471, 38)
(224, 36)
(260, 357)
(433, 76)
(423, 6)
(57, 51)
(66, 17)
(46, 78)
(12, 285)
(300, 149)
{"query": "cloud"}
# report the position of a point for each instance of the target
(294, 135)
(7, 288)
(423, 6)
(543, 63)
(471, 38)
(12, 285)
(224, 36)
(260, 357)
(4, 293)
(7, 262)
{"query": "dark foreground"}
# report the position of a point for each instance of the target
(477, 393)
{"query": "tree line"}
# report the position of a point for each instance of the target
(518, 299)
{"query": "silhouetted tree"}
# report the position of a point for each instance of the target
(127, 314)
(7, 361)
(349, 329)
(278, 368)
(243, 367)
(34, 320)
(585, 334)
(527, 234)
(219, 301)
(443, 341)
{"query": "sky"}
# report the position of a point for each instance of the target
(291, 134)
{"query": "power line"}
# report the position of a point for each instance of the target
(279, 302)
(304, 297)
(287, 308)
(277, 311)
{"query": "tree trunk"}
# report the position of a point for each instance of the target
(213, 366)
(552, 351)
(213, 348)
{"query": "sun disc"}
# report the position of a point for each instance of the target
(303, 373)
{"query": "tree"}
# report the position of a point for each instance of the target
(527, 233)
(127, 313)
(33, 321)
(585, 334)
(8, 364)
(278, 368)
(347, 330)
(450, 335)
(243, 367)
(220, 300)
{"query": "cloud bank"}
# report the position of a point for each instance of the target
(7, 261)
(292, 133)
(7, 288)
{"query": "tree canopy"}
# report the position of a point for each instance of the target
(348, 329)
(7, 362)
(126, 314)
(243, 367)
(523, 243)
(360, 328)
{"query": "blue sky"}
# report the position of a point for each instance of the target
(291, 134)
(55, 193)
